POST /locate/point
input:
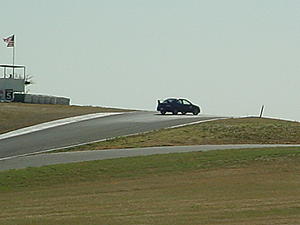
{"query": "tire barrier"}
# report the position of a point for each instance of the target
(41, 99)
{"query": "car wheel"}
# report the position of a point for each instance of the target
(196, 111)
(163, 112)
(175, 111)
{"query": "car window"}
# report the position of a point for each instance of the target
(185, 102)
(168, 101)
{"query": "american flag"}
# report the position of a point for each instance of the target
(10, 41)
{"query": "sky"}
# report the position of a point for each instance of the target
(229, 57)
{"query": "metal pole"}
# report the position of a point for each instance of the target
(24, 77)
(14, 60)
(261, 111)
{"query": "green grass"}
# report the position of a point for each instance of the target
(252, 186)
(228, 131)
(137, 166)
(249, 186)
(19, 115)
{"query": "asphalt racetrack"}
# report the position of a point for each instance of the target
(92, 130)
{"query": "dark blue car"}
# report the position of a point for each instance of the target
(175, 105)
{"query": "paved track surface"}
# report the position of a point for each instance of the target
(90, 131)
(70, 157)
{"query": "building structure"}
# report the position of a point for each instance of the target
(13, 84)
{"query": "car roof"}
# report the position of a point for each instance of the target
(176, 99)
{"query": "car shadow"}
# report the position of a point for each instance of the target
(170, 114)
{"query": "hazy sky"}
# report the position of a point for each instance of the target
(229, 57)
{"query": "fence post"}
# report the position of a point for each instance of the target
(261, 111)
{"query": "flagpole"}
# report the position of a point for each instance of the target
(14, 57)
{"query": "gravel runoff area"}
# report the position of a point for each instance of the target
(38, 160)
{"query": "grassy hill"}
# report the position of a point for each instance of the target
(249, 186)
(18, 115)
(228, 131)
(257, 186)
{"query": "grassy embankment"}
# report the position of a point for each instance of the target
(18, 115)
(228, 131)
(220, 187)
(255, 186)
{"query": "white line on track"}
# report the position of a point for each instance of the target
(54, 123)
(196, 122)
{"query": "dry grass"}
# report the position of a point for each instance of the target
(250, 188)
(229, 131)
(220, 187)
(19, 115)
